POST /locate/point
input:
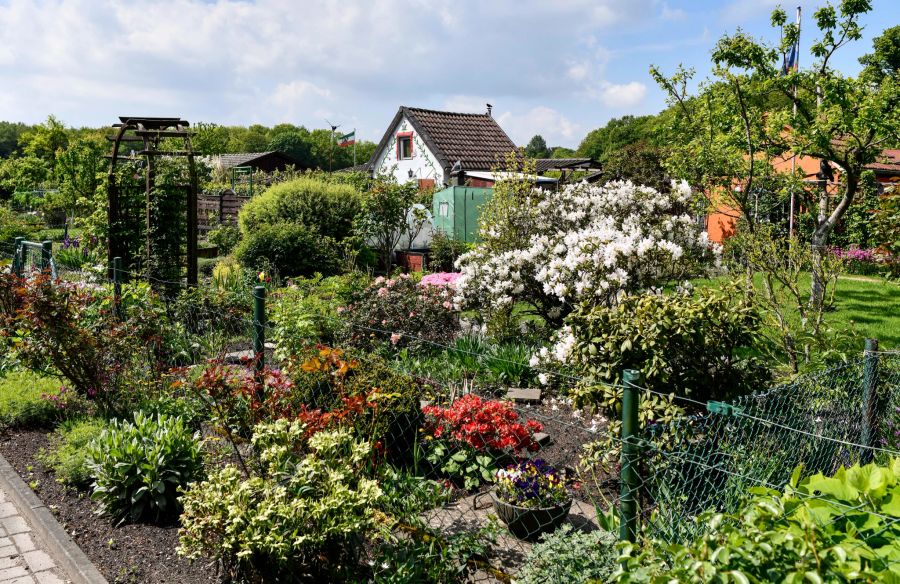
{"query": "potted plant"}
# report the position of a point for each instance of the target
(531, 498)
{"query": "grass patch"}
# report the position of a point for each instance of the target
(67, 456)
(21, 399)
(869, 306)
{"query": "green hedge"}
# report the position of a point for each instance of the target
(292, 249)
(326, 208)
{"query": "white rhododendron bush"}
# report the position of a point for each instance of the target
(585, 243)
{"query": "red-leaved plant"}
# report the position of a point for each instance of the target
(472, 437)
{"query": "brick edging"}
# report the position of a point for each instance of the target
(57, 542)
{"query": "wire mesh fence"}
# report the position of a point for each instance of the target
(478, 440)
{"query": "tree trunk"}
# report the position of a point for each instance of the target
(826, 224)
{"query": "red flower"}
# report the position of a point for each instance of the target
(482, 424)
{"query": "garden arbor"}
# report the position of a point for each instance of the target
(152, 188)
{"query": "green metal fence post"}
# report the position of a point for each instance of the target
(46, 252)
(17, 256)
(629, 480)
(117, 286)
(870, 412)
(259, 329)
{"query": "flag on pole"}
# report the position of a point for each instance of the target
(347, 139)
(790, 61)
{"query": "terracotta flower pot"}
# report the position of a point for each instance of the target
(527, 523)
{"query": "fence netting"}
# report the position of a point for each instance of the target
(818, 422)
(703, 461)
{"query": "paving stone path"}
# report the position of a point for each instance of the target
(23, 559)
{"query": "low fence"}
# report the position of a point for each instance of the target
(667, 474)
(221, 209)
(817, 423)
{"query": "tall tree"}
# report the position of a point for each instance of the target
(561, 152)
(641, 163)
(9, 138)
(884, 61)
(292, 141)
(210, 138)
(45, 140)
(753, 111)
(537, 147)
(79, 170)
(599, 144)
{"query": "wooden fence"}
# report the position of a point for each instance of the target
(221, 209)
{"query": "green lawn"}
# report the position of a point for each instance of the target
(872, 305)
(869, 305)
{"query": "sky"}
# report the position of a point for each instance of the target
(558, 68)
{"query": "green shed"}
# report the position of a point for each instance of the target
(457, 209)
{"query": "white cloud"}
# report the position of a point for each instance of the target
(670, 14)
(625, 95)
(290, 100)
(466, 104)
(556, 128)
(266, 61)
(579, 71)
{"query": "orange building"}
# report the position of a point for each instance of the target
(722, 223)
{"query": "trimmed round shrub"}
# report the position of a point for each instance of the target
(140, 466)
(326, 208)
(291, 248)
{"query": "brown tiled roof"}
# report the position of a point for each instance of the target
(476, 140)
(249, 158)
(887, 163)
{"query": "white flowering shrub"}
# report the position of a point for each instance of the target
(586, 243)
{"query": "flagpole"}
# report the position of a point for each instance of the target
(794, 156)
(354, 146)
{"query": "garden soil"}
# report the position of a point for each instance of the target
(130, 554)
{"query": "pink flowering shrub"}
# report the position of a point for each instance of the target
(441, 279)
(862, 261)
(397, 313)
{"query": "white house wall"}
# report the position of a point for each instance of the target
(423, 163)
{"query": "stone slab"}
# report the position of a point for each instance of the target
(238, 357)
(542, 438)
(524, 395)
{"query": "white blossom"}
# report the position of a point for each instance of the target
(582, 242)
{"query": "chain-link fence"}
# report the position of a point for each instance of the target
(462, 434)
(818, 422)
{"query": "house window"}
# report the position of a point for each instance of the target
(404, 146)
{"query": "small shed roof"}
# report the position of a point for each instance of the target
(255, 159)
(495, 176)
(546, 164)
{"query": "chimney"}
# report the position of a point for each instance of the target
(489, 108)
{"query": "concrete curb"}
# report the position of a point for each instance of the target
(57, 542)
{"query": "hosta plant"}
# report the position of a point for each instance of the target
(139, 466)
(842, 528)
